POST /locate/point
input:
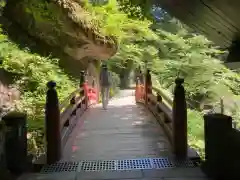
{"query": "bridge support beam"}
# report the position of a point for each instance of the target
(52, 118)
(180, 144)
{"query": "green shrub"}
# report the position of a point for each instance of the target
(196, 131)
(32, 72)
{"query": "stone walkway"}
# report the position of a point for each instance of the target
(103, 139)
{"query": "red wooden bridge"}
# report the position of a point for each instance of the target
(142, 135)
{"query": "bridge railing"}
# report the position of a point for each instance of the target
(222, 140)
(158, 103)
(62, 118)
(171, 113)
(68, 111)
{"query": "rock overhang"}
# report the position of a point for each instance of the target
(65, 24)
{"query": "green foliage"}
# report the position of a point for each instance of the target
(170, 50)
(136, 9)
(207, 80)
(44, 17)
(189, 58)
(32, 72)
(41, 10)
(114, 22)
(132, 35)
(196, 131)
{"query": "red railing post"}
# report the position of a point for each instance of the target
(180, 145)
(52, 118)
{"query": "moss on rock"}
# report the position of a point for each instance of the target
(62, 23)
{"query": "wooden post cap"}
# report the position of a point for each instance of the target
(51, 85)
(179, 81)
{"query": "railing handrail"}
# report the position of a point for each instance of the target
(66, 108)
(67, 99)
(166, 98)
(165, 104)
(167, 110)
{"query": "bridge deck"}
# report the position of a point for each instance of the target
(123, 142)
(124, 130)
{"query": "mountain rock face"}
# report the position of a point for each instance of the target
(64, 24)
(8, 93)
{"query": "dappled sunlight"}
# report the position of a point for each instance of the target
(124, 118)
(122, 102)
(129, 109)
(170, 48)
(163, 145)
(82, 134)
(136, 123)
(116, 105)
(128, 116)
(141, 118)
(124, 129)
(74, 148)
(123, 106)
(116, 116)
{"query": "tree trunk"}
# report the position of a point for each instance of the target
(125, 75)
(125, 81)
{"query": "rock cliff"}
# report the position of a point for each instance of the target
(65, 24)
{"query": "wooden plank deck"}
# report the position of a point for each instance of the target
(124, 131)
